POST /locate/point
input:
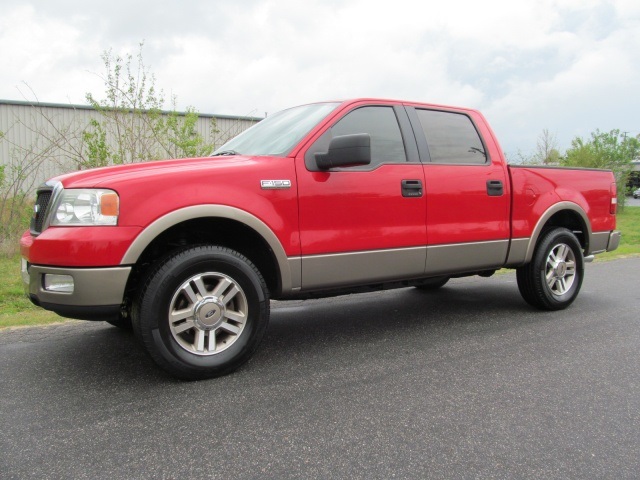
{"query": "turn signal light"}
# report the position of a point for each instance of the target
(109, 205)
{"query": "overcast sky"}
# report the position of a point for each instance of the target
(570, 66)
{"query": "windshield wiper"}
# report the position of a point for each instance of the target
(225, 153)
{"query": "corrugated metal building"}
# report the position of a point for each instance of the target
(41, 140)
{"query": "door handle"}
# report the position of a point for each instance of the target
(495, 188)
(411, 188)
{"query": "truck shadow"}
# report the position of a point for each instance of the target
(312, 324)
(326, 330)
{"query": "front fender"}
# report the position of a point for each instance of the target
(290, 278)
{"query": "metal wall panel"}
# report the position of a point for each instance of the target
(43, 140)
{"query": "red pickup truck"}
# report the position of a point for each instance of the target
(317, 200)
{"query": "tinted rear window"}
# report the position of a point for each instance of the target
(451, 137)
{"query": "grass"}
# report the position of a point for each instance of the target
(17, 310)
(629, 225)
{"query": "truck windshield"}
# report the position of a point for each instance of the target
(278, 134)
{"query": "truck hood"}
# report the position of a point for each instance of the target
(112, 176)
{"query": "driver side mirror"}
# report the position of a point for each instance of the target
(346, 151)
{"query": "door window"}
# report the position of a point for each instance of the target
(382, 126)
(451, 138)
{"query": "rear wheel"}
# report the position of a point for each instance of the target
(202, 312)
(552, 280)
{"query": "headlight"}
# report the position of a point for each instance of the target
(86, 207)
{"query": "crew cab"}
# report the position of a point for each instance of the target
(317, 200)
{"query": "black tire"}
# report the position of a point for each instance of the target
(220, 307)
(552, 280)
(433, 283)
(123, 323)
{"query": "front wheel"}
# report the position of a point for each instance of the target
(202, 312)
(121, 322)
(432, 283)
(552, 280)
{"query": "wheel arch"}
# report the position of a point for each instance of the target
(218, 224)
(563, 214)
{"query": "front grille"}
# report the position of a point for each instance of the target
(40, 211)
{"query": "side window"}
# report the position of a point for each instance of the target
(379, 122)
(451, 137)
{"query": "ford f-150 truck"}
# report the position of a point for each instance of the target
(317, 200)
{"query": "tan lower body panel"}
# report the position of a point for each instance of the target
(359, 268)
(342, 269)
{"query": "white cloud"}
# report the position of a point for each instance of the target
(567, 65)
(43, 54)
(596, 88)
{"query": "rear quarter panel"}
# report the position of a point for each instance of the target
(536, 189)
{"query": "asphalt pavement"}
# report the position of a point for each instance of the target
(466, 382)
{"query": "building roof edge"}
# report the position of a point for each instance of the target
(70, 106)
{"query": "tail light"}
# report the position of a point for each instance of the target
(614, 199)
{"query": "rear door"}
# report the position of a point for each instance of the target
(467, 192)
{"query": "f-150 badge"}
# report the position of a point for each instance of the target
(275, 184)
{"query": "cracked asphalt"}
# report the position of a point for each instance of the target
(466, 382)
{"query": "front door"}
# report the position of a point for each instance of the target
(366, 223)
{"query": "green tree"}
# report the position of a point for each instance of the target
(98, 151)
(129, 125)
(547, 152)
(133, 126)
(179, 137)
(611, 150)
